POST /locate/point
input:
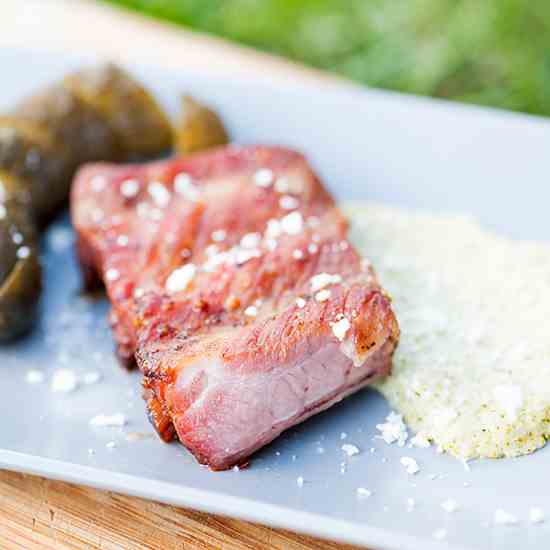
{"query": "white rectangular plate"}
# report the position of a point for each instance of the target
(366, 145)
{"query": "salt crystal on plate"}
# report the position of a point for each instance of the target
(63, 381)
(410, 464)
(393, 430)
(91, 377)
(350, 449)
(34, 376)
(536, 515)
(504, 518)
(108, 421)
(420, 440)
(450, 506)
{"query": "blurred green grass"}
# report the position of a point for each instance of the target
(489, 52)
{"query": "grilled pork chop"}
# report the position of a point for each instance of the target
(235, 289)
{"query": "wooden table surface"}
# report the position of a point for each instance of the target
(36, 513)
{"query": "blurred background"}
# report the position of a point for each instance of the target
(488, 52)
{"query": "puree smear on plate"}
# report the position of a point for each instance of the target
(472, 370)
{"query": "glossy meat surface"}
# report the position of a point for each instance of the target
(234, 286)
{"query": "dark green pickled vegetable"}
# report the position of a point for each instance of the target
(73, 125)
(40, 168)
(132, 113)
(100, 113)
(20, 272)
(199, 128)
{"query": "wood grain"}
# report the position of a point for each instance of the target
(37, 513)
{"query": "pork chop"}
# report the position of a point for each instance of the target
(233, 285)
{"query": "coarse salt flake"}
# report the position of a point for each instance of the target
(300, 482)
(273, 229)
(536, 515)
(251, 240)
(421, 441)
(34, 376)
(300, 302)
(23, 252)
(322, 295)
(288, 202)
(361, 492)
(180, 278)
(251, 311)
(183, 184)
(282, 185)
(116, 420)
(112, 274)
(263, 177)
(160, 195)
(297, 254)
(393, 430)
(129, 188)
(322, 280)
(92, 377)
(504, 518)
(410, 464)
(450, 506)
(350, 449)
(63, 381)
(340, 328)
(293, 223)
(122, 240)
